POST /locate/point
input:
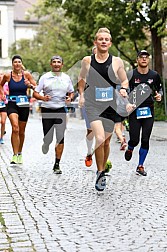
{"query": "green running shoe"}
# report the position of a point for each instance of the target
(19, 159)
(14, 159)
(108, 166)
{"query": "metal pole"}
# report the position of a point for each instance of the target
(152, 56)
(164, 86)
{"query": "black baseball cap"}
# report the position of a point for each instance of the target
(57, 57)
(143, 52)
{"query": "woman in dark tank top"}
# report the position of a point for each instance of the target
(17, 108)
(17, 87)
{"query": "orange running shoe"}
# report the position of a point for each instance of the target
(88, 160)
(140, 171)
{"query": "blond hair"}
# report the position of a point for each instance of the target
(103, 30)
(23, 67)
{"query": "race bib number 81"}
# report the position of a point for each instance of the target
(104, 94)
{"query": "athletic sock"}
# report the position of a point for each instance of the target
(130, 147)
(89, 146)
(142, 155)
(57, 161)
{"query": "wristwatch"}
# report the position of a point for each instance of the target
(124, 89)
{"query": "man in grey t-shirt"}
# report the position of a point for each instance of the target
(57, 91)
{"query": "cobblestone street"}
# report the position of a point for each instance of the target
(44, 212)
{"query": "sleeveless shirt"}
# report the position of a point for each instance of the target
(17, 87)
(100, 75)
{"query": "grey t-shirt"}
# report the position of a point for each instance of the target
(55, 86)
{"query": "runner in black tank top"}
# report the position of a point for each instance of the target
(97, 72)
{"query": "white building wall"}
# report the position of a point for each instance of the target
(6, 31)
(26, 31)
(6, 28)
(3, 29)
(11, 31)
(11, 38)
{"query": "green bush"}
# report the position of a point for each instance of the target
(160, 112)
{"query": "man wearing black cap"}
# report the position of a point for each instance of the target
(142, 52)
(55, 85)
(142, 118)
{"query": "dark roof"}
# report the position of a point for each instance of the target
(7, 0)
(21, 10)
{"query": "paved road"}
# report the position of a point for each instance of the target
(44, 212)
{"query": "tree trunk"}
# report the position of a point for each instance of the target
(156, 52)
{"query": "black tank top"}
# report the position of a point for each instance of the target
(105, 69)
(100, 75)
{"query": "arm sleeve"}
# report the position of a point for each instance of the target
(158, 85)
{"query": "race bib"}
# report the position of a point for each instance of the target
(104, 94)
(2, 104)
(22, 101)
(144, 112)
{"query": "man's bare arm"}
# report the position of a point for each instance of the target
(85, 64)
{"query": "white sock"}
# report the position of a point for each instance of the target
(89, 146)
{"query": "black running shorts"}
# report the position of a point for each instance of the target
(23, 112)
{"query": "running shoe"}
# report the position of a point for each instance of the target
(108, 166)
(100, 184)
(56, 169)
(1, 141)
(45, 148)
(140, 171)
(126, 123)
(19, 159)
(128, 154)
(123, 145)
(88, 160)
(14, 159)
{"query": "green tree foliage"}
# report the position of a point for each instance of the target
(135, 24)
(53, 38)
(154, 13)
